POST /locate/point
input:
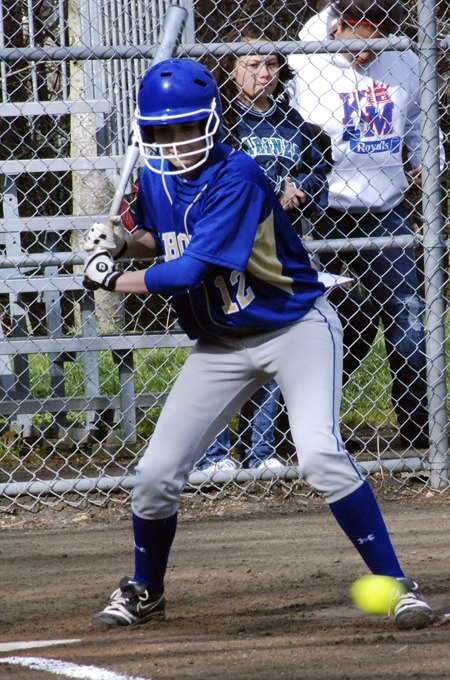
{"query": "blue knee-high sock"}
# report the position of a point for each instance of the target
(360, 518)
(152, 542)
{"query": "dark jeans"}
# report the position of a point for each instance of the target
(389, 277)
(257, 424)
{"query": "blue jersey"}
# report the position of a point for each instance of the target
(228, 216)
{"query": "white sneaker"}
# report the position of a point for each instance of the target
(223, 464)
(271, 464)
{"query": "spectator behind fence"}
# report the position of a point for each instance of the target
(367, 104)
(259, 120)
(213, 214)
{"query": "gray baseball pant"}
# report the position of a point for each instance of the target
(220, 374)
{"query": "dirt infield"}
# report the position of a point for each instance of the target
(255, 590)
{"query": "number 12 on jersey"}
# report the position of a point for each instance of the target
(243, 295)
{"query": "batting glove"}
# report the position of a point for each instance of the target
(103, 237)
(100, 271)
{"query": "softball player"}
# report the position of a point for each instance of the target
(242, 286)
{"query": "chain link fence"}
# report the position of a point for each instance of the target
(83, 376)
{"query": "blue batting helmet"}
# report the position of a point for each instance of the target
(176, 91)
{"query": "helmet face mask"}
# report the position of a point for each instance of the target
(177, 92)
(152, 151)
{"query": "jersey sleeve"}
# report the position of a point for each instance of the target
(235, 205)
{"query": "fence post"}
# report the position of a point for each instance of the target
(433, 243)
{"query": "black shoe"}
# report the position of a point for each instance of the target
(411, 611)
(131, 604)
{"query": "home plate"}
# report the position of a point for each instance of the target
(16, 646)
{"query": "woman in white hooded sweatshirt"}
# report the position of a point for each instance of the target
(368, 105)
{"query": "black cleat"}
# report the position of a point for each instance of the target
(131, 603)
(411, 611)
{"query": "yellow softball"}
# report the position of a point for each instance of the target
(376, 594)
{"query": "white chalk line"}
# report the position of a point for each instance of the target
(33, 644)
(67, 669)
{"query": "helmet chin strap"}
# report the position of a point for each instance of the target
(180, 157)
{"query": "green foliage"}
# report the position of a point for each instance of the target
(154, 371)
(366, 397)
